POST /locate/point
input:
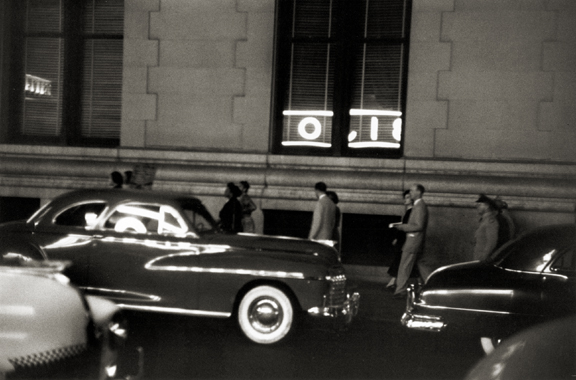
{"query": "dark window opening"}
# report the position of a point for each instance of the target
(366, 239)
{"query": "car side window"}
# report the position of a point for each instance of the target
(533, 252)
(172, 223)
(134, 218)
(565, 262)
(81, 215)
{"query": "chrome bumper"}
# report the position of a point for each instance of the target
(419, 321)
(347, 311)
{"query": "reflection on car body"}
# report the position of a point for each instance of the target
(546, 351)
(162, 252)
(527, 281)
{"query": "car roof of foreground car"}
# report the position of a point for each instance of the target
(119, 195)
(115, 196)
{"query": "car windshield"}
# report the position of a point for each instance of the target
(198, 215)
(532, 252)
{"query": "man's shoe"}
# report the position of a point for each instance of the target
(401, 295)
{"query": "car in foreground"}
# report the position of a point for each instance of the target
(527, 281)
(49, 329)
(160, 252)
(546, 351)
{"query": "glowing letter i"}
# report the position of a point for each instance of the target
(374, 128)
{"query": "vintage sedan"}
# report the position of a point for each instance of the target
(529, 280)
(161, 252)
(48, 328)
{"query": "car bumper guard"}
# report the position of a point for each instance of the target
(347, 311)
(419, 321)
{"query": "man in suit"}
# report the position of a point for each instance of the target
(413, 247)
(324, 217)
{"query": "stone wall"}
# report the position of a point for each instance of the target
(492, 80)
(197, 74)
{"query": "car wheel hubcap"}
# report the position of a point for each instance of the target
(265, 315)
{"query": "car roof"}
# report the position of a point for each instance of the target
(120, 195)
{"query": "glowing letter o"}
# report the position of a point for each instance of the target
(317, 128)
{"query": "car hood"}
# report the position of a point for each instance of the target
(279, 244)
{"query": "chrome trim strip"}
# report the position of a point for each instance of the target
(461, 309)
(154, 265)
(174, 310)
(123, 294)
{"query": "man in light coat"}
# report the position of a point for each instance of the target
(324, 217)
(486, 236)
(413, 247)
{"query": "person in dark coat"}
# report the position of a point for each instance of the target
(117, 180)
(336, 231)
(231, 213)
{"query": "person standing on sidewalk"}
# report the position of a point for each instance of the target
(398, 243)
(414, 246)
(324, 217)
(486, 236)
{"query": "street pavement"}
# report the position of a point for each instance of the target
(374, 346)
(376, 302)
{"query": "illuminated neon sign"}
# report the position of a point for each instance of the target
(37, 87)
(310, 129)
(310, 119)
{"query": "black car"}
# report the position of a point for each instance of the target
(529, 280)
(151, 251)
(546, 351)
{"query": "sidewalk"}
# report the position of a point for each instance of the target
(376, 302)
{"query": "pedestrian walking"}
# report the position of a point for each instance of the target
(248, 207)
(338, 216)
(413, 248)
(231, 213)
(324, 217)
(398, 243)
(486, 235)
(116, 180)
(506, 218)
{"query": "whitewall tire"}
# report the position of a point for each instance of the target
(266, 315)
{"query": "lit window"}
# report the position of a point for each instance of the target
(340, 79)
(66, 71)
